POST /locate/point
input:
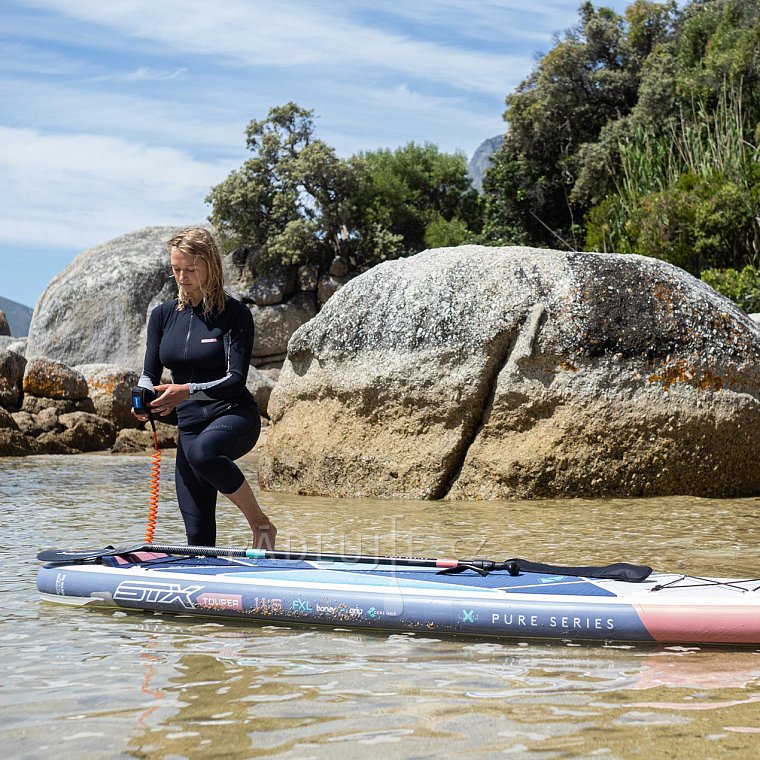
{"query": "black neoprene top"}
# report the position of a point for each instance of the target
(211, 354)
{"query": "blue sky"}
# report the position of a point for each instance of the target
(122, 114)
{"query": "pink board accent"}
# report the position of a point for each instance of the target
(701, 622)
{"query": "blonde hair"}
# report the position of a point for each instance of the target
(199, 242)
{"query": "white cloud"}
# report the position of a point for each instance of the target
(22, 59)
(450, 122)
(77, 190)
(141, 74)
(53, 106)
(287, 34)
(485, 21)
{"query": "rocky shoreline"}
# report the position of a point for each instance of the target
(66, 387)
(47, 407)
(459, 373)
(65, 410)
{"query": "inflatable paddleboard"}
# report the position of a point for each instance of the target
(509, 602)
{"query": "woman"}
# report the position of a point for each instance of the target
(205, 337)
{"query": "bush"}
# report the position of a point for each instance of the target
(741, 286)
(689, 196)
(295, 202)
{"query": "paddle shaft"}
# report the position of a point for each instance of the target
(213, 551)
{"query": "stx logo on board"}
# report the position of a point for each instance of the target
(156, 592)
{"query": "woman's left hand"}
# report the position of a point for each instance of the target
(171, 395)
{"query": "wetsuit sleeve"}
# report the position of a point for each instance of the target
(152, 367)
(238, 346)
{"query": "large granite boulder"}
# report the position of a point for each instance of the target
(478, 373)
(96, 309)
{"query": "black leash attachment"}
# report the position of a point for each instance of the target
(141, 398)
(481, 566)
(618, 571)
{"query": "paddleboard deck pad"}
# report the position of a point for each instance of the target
(664, 607)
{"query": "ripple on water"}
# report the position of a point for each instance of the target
(113, 684)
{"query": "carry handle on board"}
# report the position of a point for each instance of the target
(620, 571)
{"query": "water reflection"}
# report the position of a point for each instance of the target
(277, 690)
(111, 684)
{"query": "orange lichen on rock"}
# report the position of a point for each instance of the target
(684, 372)
(665, 295)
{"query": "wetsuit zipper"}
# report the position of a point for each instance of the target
(189, 330)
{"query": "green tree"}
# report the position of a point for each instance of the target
(289, 200)
(692, 57)
(720, 45)
(587, 80)
(416, 194)
(639, 134)
(295, 201)
(651, 40)
(741, 286)
(686, 187)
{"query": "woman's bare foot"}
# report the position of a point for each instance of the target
(264, 536)
(264, 532)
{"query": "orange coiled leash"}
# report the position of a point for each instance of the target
(141, 398)
(155, 479)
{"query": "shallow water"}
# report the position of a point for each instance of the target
(109, 684)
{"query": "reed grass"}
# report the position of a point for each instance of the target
(706, 143)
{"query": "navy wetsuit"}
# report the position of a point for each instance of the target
(220, 421)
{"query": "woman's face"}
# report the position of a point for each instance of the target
(190, 272)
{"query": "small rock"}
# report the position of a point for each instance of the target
(273, 288)
(260, 384)
(110, 388)
(53, 379)
(87, 432)
(338, 267)
(12, 367)
(329, 285)
(7, 420)
(308, 277)
(13, 443)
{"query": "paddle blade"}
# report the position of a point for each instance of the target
(619, 571)
(59, 556)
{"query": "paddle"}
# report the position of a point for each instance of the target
(57, 556)
(621, 571)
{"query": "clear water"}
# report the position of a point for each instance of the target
(102, 684)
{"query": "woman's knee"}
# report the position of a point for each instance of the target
(200, 456)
